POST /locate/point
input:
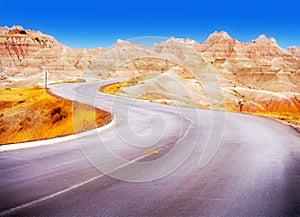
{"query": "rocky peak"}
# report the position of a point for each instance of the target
(26, 53)
(219, 45)
(17, 35)
(119, 41)
(186, 41)
(3, 30)
(263, 40)
(13, 30)
(219, 36)
(122, 44)
(16, 30)
(17, 27)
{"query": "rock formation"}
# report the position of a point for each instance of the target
(25, 54)
(255, 76)
(295, 51)
(258, 76)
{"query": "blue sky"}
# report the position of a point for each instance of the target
(100, 23)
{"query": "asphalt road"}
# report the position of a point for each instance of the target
(255, 171)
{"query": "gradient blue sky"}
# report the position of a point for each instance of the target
(100, 23)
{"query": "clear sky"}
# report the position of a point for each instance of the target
(100, 23)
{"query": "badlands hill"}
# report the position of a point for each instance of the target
(25, 54)
(295, 51)
(257, 76)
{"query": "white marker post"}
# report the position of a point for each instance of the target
(46, 78)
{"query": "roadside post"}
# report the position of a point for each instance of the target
(46, 78)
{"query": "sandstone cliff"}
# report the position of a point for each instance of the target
(25, 54)
(295, 51)
(257, 76)
(251, 63)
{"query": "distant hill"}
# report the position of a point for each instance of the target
(257, 76)
(25, 54)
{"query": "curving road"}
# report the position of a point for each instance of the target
(255, 172)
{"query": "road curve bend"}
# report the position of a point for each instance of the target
(148, 165)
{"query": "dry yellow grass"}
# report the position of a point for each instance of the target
(188, 76)
(289, 117)
(34, 114)
(112, 88)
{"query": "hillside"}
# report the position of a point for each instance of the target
(221, 73)
(255, 77)
(30, 114)
(26, 54)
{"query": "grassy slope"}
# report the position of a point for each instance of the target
(34, 114)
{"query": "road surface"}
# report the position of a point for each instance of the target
(255, 172)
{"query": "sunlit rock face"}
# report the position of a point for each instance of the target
(261, 59)
(295, 51)
(25, 54)
(254, 76)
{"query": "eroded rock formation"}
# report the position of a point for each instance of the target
(25, 54)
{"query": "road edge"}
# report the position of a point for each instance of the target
(53, 141)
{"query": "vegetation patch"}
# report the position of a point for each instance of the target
(112, 88)
(30, 114)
